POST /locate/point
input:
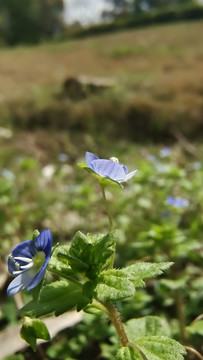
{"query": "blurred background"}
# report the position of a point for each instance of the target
(118, 78)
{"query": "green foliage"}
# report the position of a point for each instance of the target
(59, 261)
(141, 271)
(33, 329)
(27, 21)
(146, 326)
(196, 328)
(145, 18)
(128, 353)
(14, 357)
(57, 297)
(161, 348)
(83, 263)
(117, 284)
(90, 254)
(113, 285)
(152, 348)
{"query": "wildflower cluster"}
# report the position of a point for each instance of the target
(87, 279)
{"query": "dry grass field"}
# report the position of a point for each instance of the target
(157, 70)
(165, 61)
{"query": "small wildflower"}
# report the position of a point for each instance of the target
(28, 262)
(166, 151)
(177, 202)
(63, 157)
(196, 165)
(8, 174)
(111, 169)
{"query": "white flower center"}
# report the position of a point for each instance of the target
(114, 159)
(35, 263)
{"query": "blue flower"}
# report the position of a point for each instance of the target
(177, 202)
(166, 151)
(28, 262)
(110, 169)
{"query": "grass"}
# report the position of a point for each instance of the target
(157, 72)
(172, 54)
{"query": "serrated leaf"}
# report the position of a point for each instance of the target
(78, 244)
(59, 264)
(144, 270)
(103, 247)
(113, 285)
(196, 328)
(128, 353)
(89, 254)
(57, 297)
(161, 348)
(33, 329)
(145, 326)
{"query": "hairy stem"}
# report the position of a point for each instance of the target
(140, 351)
(107, 208)
(180, 315)
(188, 348)
(110, 223)
(116, 321)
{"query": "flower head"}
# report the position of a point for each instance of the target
(111, 169)
(164, 152)
(177, 202)
(28, 262)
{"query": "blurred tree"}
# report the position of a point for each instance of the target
(123, 6)
(28, 21)
(153, 4)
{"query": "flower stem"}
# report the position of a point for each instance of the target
(115, 318)
(110, 223)
(107, 208)
(194, 351)
(180, 315)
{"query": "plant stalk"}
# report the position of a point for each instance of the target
(107, 208)
(180, 315)
(116, 321)
(194, 351)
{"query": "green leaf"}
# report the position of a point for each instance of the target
(89, 254)
(161, 348)
(175, 284)
(128, 353)
(143, 270)
(102, 248)
(33, 329)
(57, 297)
(59, 264)
(196, 328)
(145, 326)
(113, 285)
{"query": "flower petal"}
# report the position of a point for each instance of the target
(108, 168)
(38, 277)
(20, 282)
(89, 157)
(131, 174)
(25, 249)
(124, 168)
(44, 242)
